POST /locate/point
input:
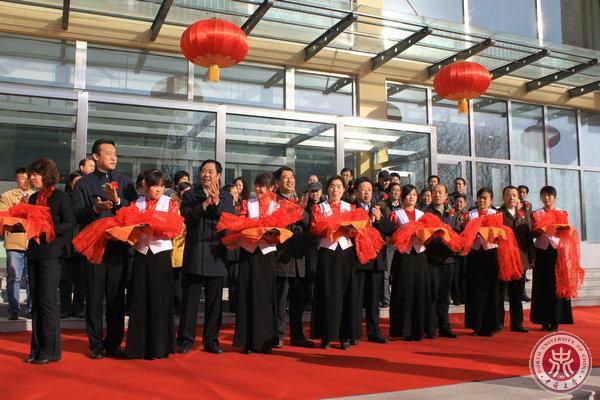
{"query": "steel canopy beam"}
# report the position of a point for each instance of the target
(317, 45)
(520, 63)
(395, 88)
(65, 14)
(460, 56)
(398, 48)
(557, 76)
(159, 20)
(276, 78)
(581, 90)
(337, 85)
(256, 16)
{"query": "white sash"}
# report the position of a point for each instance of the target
(542, 241)
(479, 242)
(254, 213)
(402, 218)
(343, 241)
(155, 244)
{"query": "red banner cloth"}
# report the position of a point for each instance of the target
(33, 220)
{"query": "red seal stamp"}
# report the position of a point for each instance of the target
(560, 362)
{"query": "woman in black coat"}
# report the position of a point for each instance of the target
(45, 261)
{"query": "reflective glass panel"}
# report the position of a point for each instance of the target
(323, 93)
(494, 176)
(534, 178)
(406, 103)
(136, 72)
(590, 138)
(510, 16)
(37, 61)
(32, 128)
(448, 10)
(163, 138)
(242, 84)
(452, 128)
(591, 188)
(491, 130)
(566, 183)
(562, 136)
(528, 132)
(569, 22)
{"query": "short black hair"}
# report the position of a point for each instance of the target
(218, 165)
(47, 169)
(21, 170)
(442, 184)
(100, 142)
(82, 162)
(74, 175)
(523, 187)
(141, 178)
(227, 187)
(346, 169)
(360, 181)
(178, 175)
(181, 186)
(406, 190)
(551, 190)
(509, 187)
(277, 174)
(460, 179)
(460, 196)
(264, 179)
(425, 190)
(433, 176)
(395, 174)
(154, 177)
(392, 184)
(336, 178)
(485, 190)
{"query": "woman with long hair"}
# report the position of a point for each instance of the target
(243, 188)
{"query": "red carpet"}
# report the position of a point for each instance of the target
(288, 373)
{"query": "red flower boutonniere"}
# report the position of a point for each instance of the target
(521, 214)
(111, 185)
(527, 205)
(451, 212)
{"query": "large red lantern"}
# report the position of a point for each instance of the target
(462, 81)
(213, 44)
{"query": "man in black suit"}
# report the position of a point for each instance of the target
(94, 199)
(520, 222)
(204, 258)
(291, 265)
(441, 262)
(369, 276)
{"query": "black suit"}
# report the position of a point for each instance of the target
(441, 262)
(369, 280)
(290, 272)
(105, 281)
(44, 264)
(204, 264)
(516, 289)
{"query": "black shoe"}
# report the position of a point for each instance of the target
(345, 345)
(267, 349)
(96, 354)
(42, 360)
(353, 342)
(378, 339)
(500, 327)
(64, 315)
(325, 344)
(408, 339)
(79, 314)
(279, 344)
(448, 334)
(303, 343)
(484, 333)
(430, 336)
(213, 348)
(30, 359)
(13, 316)
(384, 304)
(456, 302)
(28, 315)
(247, 350)
(526, 298)
(552, 327)
(184, 349)
(417, 338)
(117, 352)
(521, 329)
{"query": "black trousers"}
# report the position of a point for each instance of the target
(481, 307)
(515, 290)
(441, 280)
(290, 291)
(213, 297)
(458, 292)
(151, 329)
(72, 285)
(106, 281)
(177, 289)
(44, 278)
(232, 284)
(369, 291)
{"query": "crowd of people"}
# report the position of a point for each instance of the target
(271, 281)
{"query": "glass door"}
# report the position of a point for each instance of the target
(450, 168)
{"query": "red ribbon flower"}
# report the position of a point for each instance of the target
(451, 212)
(111, 185)
(521, 214)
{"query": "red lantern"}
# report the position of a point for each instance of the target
(462, 81)
(213, 44)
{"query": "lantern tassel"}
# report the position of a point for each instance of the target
(463, 106)
(213, 73)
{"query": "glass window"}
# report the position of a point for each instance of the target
(447, 10)
(37, 61)
(528, 132)
(397, 151)
(323, 93)
(491, 130)
(449, 170)
(242, 84)
(566, 183)
(254, 145)
(163, 138)
(568, 22)
(452, 128)
(511, 16)
(406, 103)
(534, 179)
(591, 184)
(562, 136)
(590, 138)
(494, 176)
(32, 128)
(136, 72)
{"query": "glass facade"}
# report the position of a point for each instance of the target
(590, 139)
(452, 128)
(448, 10)
(561, 127)
(494, 176)
(406, 103)
(323, 93)
(570, 22)
(511, 16)
(528, 132)
(491, 129)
